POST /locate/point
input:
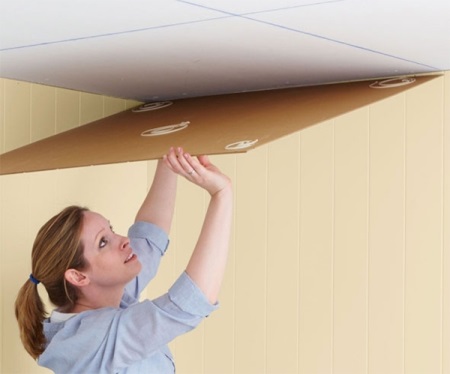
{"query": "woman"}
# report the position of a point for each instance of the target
(94, 277)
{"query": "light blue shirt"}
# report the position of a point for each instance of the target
(134, 337)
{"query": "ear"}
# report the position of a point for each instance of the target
(76, 278)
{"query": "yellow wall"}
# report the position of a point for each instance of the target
(340, 258)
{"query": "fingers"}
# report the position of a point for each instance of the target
(198, 170)
(182, 163)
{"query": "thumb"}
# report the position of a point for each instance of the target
(204, 160)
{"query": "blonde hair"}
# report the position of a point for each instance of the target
(57, 247)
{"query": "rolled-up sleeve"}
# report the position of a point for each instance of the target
(188, 297)
(149, 243)
(145, 327)
(154, 235)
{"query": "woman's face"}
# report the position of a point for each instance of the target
(111, 261)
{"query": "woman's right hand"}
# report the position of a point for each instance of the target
(199, 170)
(206, 266)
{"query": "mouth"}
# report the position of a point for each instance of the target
(131, 257)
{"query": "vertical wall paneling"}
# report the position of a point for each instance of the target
(190, 210)
(17, 114)
(316, 250)
(2, 218)
(43, 112)
(2, 115)
(251, 262)
(16, 246)
(2, 228)
(386, 235)
(42, 191)
(91, 107)
(115, 191)
(350, 243)
(219, 327)
(423, 308)
(28, 200)
(340, 259)
(67, 109)
(446, 232)
(282, 255)
(113, 106)
(131, 104)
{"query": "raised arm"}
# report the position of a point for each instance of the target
(207, 264)
(159, 203)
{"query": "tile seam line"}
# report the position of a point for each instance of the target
(354, 46)
(247, 16)
(225, 14)
(105, 35)
(229, 13)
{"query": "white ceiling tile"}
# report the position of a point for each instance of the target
(238, 7)
(168, 49)
(417, 31)
(27, 23)
(198, 60)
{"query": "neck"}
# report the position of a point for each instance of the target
(95, 300)
(80, 307)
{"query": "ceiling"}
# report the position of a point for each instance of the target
(165, 49)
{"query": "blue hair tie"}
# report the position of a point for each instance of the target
(34, 280)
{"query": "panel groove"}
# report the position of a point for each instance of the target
(266, 278)
(333, 241)
(298, 242)
(442, 222)
(368, 249)
(405, 237)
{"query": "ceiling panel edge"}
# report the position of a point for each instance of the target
(206, 125)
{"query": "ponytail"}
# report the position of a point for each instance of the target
(57, 247)
(30, 313)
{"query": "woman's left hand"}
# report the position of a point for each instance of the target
(199, 170)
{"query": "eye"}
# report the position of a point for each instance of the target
(103, 242)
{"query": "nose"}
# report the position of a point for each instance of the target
(124, 242)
